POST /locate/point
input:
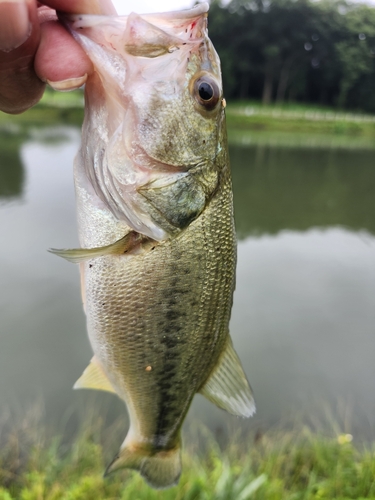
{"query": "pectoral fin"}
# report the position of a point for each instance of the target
(124, 245)
(94, 378)
(228, 387)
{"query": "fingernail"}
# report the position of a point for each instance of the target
(69, 84)
(96, 7)
(15, 27)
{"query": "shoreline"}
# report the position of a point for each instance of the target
(248, 123)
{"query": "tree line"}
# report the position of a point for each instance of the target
(321, 52)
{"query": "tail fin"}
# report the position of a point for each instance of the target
(161, 469)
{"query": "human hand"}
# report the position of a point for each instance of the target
(35, 48)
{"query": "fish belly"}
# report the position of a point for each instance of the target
(158, 320)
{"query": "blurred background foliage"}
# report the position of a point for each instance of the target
(318, 52)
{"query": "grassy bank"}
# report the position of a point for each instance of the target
(277, 465)
(299, 119)
(242, 117)
(55, 108)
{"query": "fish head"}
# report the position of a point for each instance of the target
(156, 99)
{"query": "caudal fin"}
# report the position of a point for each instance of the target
(161, 469)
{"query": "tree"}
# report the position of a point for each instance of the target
(316, 51)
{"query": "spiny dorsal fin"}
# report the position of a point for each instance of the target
(228, 387)
(94, 378)
(119, 247)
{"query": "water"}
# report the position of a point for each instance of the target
(304, 308)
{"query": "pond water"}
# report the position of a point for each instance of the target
(304, 308)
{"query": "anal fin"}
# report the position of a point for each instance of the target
(227, 386)
(94, 378)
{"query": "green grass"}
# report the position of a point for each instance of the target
(294, 107)
(299, 119)
(62, 99)
(298, 465)
(55, 108)
(242, 116)
(248, 122)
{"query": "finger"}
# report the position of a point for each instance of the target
(59, 59)
(104, 7)
(20, 88)
(14, 24)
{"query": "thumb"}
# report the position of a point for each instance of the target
(20, 87)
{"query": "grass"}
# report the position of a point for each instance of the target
(297, 465)
(242, 117)
(298, 125)
(300, 119)
(54, 108)
(295, 107)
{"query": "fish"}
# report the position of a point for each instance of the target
(156, 228)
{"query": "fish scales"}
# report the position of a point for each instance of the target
(155, 218)
(188, 279)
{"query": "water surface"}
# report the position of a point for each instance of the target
(304, 308)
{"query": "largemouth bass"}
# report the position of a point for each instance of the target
(155, 216)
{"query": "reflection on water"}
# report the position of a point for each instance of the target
(298, 188)
(304, 316)
(304, 309)
(11, 168)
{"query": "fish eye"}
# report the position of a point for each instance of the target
(206, 92)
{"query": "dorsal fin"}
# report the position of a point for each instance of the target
(228, 387)
(94, 378)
